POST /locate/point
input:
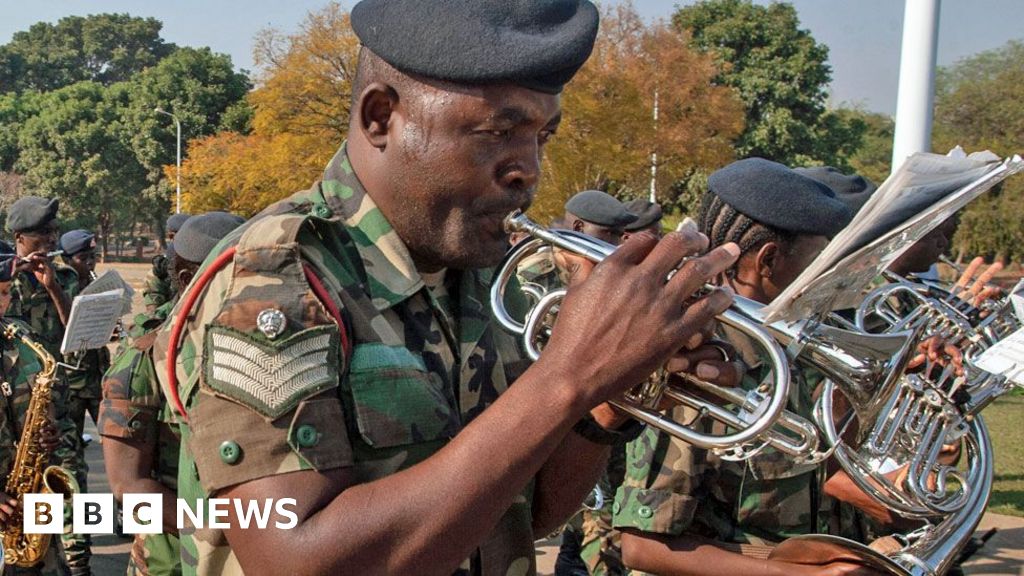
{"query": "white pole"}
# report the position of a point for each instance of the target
(917, 80)
(177, 174)
(654, 153)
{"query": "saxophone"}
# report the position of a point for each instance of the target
(30, 473)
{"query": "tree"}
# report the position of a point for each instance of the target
(608, 132)
(198, 86)
(77, 149)
(780, 73)
(873, 159)
(980, 105)
(103, 48)
(300, 115)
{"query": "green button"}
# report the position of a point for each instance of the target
(322, 211)
(615, 508)
(230, 452)
(308, 436)
(645, 512)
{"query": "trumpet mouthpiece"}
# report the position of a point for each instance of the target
(516, 222)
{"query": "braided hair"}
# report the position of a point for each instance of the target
(722, 224)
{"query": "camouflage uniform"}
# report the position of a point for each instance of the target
(672, 488)
(134, 409)
(159, 287)
(20, 366)
(423, 363)
(31, 304)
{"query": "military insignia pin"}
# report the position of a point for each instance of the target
(271, 322)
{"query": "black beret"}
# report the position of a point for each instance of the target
(599, 208)
(77, 241)
(647, 213)
(31, 212)
(201, 233)
(773, 194)
(538, 44)
(176, 220)
(854, 190)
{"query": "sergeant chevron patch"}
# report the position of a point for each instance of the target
(271, 377)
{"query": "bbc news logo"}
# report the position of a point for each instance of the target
(144, 513)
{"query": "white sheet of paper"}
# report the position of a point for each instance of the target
(92, 321)
(1006, 357)
(108, 281)
(1017, 299)
(935, 186)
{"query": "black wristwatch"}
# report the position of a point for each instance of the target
(589, 429)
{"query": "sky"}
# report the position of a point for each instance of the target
(863, 36)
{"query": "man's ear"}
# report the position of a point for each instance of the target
(184, 277)
(577, 225)
(767, 259)
(375, 107)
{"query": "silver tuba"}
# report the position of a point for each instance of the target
(758, 417)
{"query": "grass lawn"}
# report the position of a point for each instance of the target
(1005, 419)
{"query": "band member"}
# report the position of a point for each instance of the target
(648, 218)
(84, 384)
(20, 366)
(41, 294)
(159, 286)
(683, 510)
(339, 351)
(141, 437)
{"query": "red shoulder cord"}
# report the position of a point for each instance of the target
(190, 300)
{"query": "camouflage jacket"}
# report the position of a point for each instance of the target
(87, 381)
(134, 408)
(31, 304)
(269, 389)
(158, 288)
(20, 366)
(672, 488)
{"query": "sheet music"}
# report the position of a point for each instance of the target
(92, 320)
(1006, 357)
(932, 187)
(109, 281)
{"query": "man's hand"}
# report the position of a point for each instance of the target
(628, 316)
(40, 265)
(936, 351)
(49, 438)
(8, 507)
(978, 290)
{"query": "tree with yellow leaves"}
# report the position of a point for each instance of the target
(609, 138)
(301, 115)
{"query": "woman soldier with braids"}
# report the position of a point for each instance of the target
(683, 510)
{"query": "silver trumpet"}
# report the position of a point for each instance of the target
(757, 418)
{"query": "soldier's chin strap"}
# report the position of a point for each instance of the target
(189, 302)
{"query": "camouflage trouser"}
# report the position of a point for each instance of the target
(155, 555)
(71, 455)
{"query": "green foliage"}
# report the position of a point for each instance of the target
(873, 159)
(77, 149)
(781, 75)
(96, 142)
(104, 48)
(980, 105)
